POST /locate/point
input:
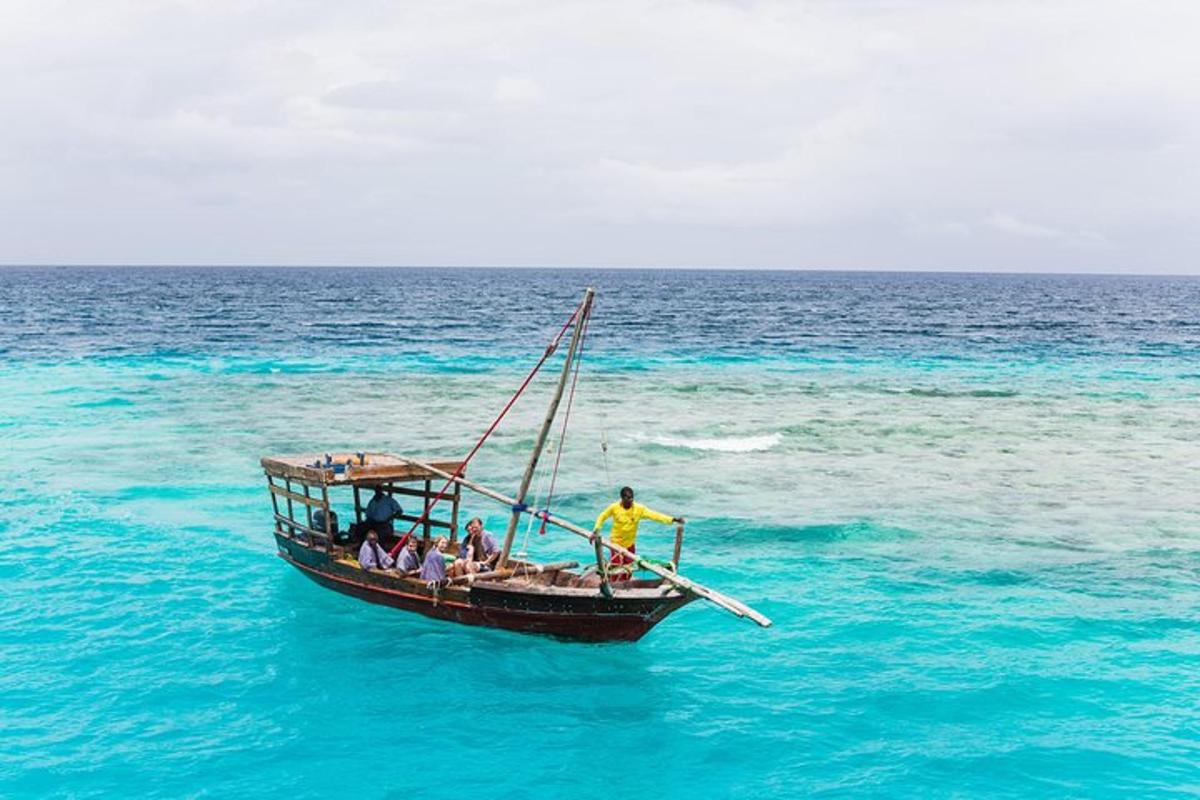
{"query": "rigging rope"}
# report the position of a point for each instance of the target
(608, 484)
(562, 436)
(539, 484)
(491, 428)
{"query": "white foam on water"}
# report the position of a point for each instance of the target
(730, 444)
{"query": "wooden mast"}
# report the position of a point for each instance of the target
(585, 309)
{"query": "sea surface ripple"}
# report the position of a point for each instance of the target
(969, 502)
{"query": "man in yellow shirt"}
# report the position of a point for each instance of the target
(626, 515)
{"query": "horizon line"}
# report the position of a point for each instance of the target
(579, 267)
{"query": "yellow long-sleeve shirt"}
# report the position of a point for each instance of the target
(625, 521)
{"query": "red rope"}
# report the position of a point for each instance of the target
(562, 436)
(491, 428)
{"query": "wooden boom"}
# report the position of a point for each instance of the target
(735, 607)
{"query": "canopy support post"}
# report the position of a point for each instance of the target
(275, 505)
(287, 485)
(602, 570)
(328, 513)
(428, 505)
(456, 497)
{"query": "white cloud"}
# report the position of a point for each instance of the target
(975, 134)
(937, 228)
(1008, 224)
(517, 91)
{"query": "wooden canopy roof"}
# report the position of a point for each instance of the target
(345, 468)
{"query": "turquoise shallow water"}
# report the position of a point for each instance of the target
(968, 503)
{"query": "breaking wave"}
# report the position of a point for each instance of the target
(730, 444)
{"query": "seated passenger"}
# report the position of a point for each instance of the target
(371, 555)
(409, 559)
(342, 537)
(381, 510)
(478, 551)
(319, 521)
(434, 566)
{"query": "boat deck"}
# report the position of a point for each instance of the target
(543, 603)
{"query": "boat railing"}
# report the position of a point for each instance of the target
(299, 493)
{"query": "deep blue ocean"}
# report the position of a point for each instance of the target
(969, 502)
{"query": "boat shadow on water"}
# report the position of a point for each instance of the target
(326, 635)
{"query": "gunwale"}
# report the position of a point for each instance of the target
(565, 612)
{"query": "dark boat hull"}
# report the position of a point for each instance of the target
(583, 615)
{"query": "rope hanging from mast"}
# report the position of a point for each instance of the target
(491, 428)
(562, 436)
(539, 489)
(520, 503)
(604, 452)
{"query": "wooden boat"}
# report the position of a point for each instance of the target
(554, 599)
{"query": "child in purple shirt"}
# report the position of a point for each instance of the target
(434, 568)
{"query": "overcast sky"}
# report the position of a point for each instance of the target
(884, 134)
